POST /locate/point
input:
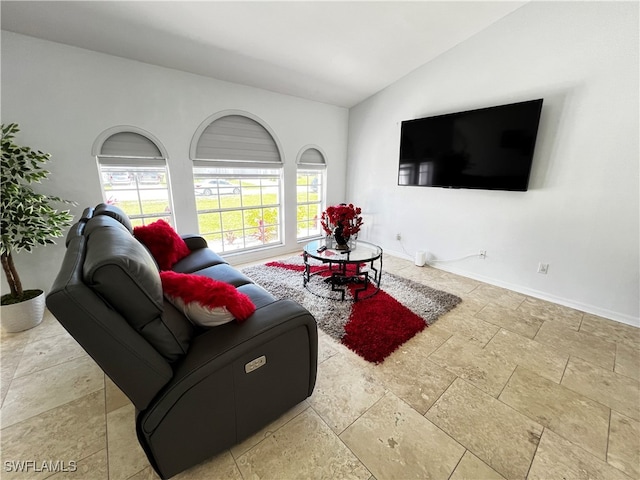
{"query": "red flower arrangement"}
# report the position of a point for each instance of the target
(343, 215)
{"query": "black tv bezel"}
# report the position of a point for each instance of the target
(538, 101)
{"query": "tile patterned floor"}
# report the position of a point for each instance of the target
(503, 387)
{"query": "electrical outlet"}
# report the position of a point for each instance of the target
(543, 268)
(398, 236)
(482, 254)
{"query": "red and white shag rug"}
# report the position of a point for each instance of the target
(372, 327)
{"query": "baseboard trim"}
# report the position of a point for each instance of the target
(583, 307)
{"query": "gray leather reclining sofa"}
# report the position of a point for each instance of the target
(196, 391)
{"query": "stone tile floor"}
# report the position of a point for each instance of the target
(503, 386)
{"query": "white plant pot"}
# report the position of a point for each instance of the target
(24, 315)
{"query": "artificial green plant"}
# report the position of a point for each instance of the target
(28, 218)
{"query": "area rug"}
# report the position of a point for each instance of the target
(372, 327)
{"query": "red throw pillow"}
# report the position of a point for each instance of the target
(206, 301)
(164, 243)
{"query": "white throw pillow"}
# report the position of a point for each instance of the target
(200, 315)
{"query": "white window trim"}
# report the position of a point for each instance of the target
(96, 148)
(243, 208)
(309, 167)
(248, 164)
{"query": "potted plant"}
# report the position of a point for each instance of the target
(342, 221)
(28, 220)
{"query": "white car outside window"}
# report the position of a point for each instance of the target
(215, 187)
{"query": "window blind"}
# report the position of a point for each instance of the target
(235, 138)
(120, 149)
(129, 144)
(311, 158)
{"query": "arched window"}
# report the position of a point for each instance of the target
(134, 176)
(237, 169)
(310, 191)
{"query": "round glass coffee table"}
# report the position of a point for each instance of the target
(358, 270)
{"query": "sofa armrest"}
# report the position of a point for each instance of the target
(218, 348)
(194, 242)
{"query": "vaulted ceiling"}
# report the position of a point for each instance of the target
(328, 51)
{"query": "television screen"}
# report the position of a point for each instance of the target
(489, 148)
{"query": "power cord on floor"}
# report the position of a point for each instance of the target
(455, 259)
(472, 255)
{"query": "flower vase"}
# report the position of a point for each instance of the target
(328, 241)
(342, 241)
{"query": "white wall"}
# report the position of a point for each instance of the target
(64, 97)
(581, 213)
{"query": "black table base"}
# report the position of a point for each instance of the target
(339, 277)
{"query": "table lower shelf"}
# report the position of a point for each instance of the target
(361, 279)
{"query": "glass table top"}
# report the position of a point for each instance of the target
(363, 252)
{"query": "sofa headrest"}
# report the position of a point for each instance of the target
(77, 228)
(122, 270)
(86, 215)
(114, 212)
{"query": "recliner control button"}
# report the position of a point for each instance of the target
(255, 364)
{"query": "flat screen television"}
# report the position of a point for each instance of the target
(489, 148)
